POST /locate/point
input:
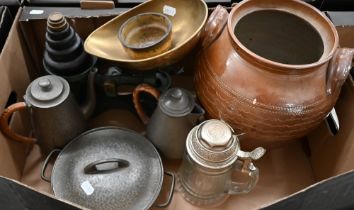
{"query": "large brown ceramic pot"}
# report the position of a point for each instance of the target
(271, 69)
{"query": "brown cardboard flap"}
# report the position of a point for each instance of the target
(14, 77)
(332, 155)
(346, 35)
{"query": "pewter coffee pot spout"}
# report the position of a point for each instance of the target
(89, 105)
(196, 114)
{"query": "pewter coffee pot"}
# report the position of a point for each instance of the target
(55, 116)
(176, 114)
(212, 157)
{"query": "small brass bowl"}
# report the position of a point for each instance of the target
(146, 35)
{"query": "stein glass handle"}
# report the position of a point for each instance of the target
(248, 168)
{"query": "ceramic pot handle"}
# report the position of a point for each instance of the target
(170, 194)
(106, 166)
(4, 123)
(215, 25)
(139, 109)
(248, 168)
(338, 69)
(45, 164)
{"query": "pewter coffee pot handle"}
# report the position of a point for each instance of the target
(136, 93)
(4, 123)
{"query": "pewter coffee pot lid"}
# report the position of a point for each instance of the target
(47, 91)
(177, 102)
(213, 144)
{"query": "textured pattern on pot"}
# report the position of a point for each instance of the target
(271, 69)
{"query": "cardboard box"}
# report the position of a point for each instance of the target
(315, 173)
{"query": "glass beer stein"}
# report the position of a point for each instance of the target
(212, 155)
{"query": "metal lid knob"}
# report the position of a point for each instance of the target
(177, 93)
(177, 102)
(45, 84)
(47, 91)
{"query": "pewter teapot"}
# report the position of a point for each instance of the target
(56, 118)
(176, 114)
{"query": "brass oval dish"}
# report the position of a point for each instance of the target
(188, 18)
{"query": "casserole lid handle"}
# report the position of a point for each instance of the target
(106, 166)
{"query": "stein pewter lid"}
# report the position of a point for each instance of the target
(47, 91)
(213, 144)
(177, 102)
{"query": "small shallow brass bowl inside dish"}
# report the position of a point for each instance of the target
(146, 35)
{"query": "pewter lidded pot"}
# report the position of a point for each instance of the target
(212, 155)
(55, 116)
(176, 114)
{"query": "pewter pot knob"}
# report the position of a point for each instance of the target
(45, 84)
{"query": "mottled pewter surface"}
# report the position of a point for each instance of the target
(133, 187)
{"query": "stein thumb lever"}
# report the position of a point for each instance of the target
(254, 155)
